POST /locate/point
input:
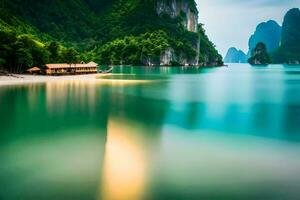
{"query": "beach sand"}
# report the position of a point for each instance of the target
(28, 79)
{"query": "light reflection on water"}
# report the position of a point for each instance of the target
(125, 164)
(163, 133)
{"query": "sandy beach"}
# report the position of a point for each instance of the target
(28, 79)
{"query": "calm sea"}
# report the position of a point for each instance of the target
(154, 133)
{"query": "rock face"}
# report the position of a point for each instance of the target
(260, 55)
(174, 8)
(235, 56)
(166, 57)
(291, 28)
(188, 11)
(88, 23)
(291, 35)
(268, 33)
(289, 51)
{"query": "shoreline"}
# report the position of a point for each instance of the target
(20, 79)
(23, 79)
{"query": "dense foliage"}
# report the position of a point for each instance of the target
(289, 51)
(20, 52)
(143, 49)
(90, 22)
(109, 32)
(208, 53)
(260, 55)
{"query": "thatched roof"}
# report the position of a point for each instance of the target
(57, 66)
(65, 65)
(34, 69)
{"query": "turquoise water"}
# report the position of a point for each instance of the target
(154, 133)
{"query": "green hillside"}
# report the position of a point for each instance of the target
(95, 27)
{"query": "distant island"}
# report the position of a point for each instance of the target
(159, 32)
(235, 56)
(268, 33)
(289, 49)
(282, 44)
(259, 55)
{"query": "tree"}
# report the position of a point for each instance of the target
(40, 56)
(54, 51)
(7, 42)
(2, 63)
(23, 59)
(260, 55)
(71, 56)
(208, 54)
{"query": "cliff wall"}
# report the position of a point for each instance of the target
(175, 8)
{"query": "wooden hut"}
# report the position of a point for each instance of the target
(34, 70)
(71, 69)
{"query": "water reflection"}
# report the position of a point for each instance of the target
(133, 132)
(228, 133)
(125, 164)
(213, 165)
(52, 140)
(60, 94)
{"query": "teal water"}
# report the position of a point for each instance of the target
(154, 133)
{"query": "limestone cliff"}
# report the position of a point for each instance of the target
(175, 8)
(268, 33)
(234, 55)
(188, 12)
(113, 32)
(289, 50)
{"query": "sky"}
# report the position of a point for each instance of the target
(230, 23)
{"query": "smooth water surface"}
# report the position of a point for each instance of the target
(154, 133)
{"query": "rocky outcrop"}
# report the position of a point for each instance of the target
(175, 8)
(187, 10)
(167, 57)
(289, 50)
(260, 55)
(268, 33)
(291, 29)
(290, 43)
(235, 56)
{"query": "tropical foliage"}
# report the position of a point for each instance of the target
(109, 32)
(143, 49)
(208, 53)
(260, 55)
(20, 52)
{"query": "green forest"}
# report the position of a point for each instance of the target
(20, 52)
(108, 32)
